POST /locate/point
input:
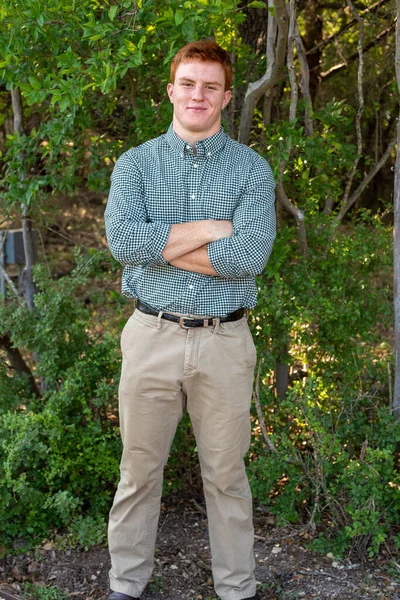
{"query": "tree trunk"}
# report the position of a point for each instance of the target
(313, 27)
(276, 52)
(396, 239)
(281, 377)
(27, 277)
(253, 33)
(18, 364)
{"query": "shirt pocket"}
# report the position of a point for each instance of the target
(163, 204)
(220, 205)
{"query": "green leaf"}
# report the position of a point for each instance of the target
(257, 4)
(35, 83)
(142, 42)
(112, 12)
(64, 103)
(179, 17)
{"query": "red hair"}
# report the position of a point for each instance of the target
(204, 50)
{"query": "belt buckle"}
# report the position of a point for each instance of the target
(181, 323)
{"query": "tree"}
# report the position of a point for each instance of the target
(396, 238)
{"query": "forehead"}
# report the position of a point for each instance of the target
(199, 70)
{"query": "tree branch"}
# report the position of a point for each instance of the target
(294, 92)
(17, 363)
(256, 396)
(360, 91)
(269, 94)
(343, 65)
(367, 179)
(274, 71)
(8, 279)
(17, 110)
(27, 278)
(261, 420)
(280, 191)
(396, 238)
(332, 37)
(296, 213)
(304, 82)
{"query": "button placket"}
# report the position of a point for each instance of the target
(193, 176)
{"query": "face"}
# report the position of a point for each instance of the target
(198, 95)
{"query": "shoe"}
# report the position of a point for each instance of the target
(120, 596)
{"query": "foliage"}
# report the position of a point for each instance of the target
(92, 77)
(324, 475)
(35, 592)
(59, 454)
(337, 457)
(89, 79)
(86, 532)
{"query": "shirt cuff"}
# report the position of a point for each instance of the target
(218, 252)
(158, 239)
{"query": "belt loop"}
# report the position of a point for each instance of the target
(216, 323)
(159, 320)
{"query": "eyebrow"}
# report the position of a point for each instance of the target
(193, 81)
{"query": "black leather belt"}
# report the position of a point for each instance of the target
(188, 322)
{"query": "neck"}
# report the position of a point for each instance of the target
(192, 137)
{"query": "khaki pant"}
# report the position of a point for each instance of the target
(211, 370)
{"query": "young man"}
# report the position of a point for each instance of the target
(191, 217)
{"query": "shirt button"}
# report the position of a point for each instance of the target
(188, 147)
(193, 196)
(190, 287)
(208, 154)
(195, 165)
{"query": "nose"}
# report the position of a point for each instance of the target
(198, 93)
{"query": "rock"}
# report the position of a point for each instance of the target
(32, 567)
(49, 546)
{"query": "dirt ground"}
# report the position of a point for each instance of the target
(286, 569)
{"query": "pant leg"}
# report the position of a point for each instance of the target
(150, 399)
(218, 401)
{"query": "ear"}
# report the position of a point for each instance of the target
(227, 97)
(170, 91)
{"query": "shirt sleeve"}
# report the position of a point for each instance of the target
(132, 238)
(254, 228)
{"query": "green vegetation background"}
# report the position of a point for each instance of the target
(92, 77)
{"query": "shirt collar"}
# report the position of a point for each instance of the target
(206, 147)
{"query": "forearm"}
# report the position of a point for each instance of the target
(136, 243)
(196, 261)
(184, 238)
(240, 256)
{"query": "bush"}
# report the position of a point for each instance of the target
(336, 465)
(59, 454)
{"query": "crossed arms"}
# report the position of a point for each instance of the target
(186, 247)
(226, 248)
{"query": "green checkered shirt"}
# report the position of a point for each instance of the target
(163, 182)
